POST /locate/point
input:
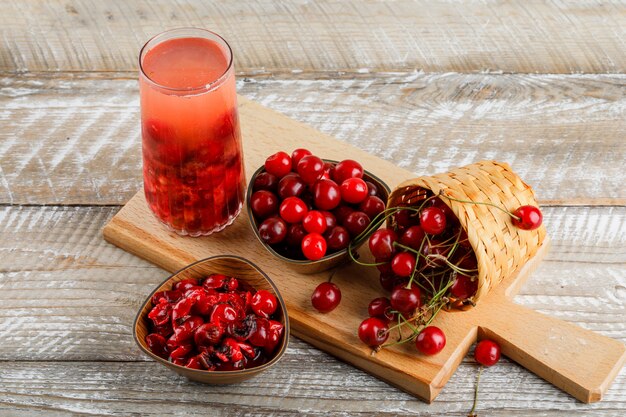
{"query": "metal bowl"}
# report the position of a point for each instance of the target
(329, 261)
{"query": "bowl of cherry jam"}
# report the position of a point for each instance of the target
(307, 211)
(220, 320)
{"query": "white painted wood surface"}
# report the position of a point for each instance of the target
(63, 134)
(425, 84)
(302, 36)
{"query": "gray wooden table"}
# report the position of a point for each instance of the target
(425, 84)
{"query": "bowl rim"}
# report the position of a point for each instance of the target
(192, 371)
(252, 220)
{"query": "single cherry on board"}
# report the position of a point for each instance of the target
(326, 297)
(373, 331)
(431, 340)
(380, 307)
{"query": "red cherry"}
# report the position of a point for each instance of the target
(381, 244)
(347, 169)
(169, 296)
(356, 223)
(298, 154)
(181, 351)
(314, 222)
(403, 264)
(406, 218)
(311, 169)
(326, 297)
(185, 285)
(384, 267)
(194, 363)
(388, 280)
(353, 190)
(380, 307)
(314, 246)
(242, 329)
(413, 237)
(433, 220)
(530, 217)
(223, 314)
(338, 238)
(264, 303)
(259, 335)
(273, 230)
(431, 340)
(278, 164)
(373, 331)
(291, 185)
(156, 344)
(326, 195)
(295, 234)
(293, 210)
(372, 206)
(274, 332)
(263, 204)
(265, 181)
(341, 213)
(437, 202)
(463, 287)
(406, 300)
(208, 334)
(435, 253)
(330, 219)
(372, 188)
(487, 352)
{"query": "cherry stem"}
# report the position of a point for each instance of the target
(441, 193)
(472, 411)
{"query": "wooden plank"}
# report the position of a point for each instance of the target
(63, 290)
(61, 135)
(135, 229)
(306, 382)
(325, 36)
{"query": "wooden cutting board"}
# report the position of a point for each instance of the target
(578, 361)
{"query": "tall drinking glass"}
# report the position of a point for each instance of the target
(192, 157)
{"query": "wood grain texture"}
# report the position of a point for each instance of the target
(64, 290)
(136, 230)
(306, 382)
(325, 36)
(61, 136)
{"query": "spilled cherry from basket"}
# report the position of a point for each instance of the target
(426, 264)
(216, 323)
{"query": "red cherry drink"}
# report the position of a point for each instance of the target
(192, 158)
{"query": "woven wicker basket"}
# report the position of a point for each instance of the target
(500, 247)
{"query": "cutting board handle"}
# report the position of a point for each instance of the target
(578, 361)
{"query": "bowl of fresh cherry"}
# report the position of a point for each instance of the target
(220, 320)
(308, 211)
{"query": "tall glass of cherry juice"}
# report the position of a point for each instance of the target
(192, 157)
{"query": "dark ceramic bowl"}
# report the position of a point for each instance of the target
(246, 272)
